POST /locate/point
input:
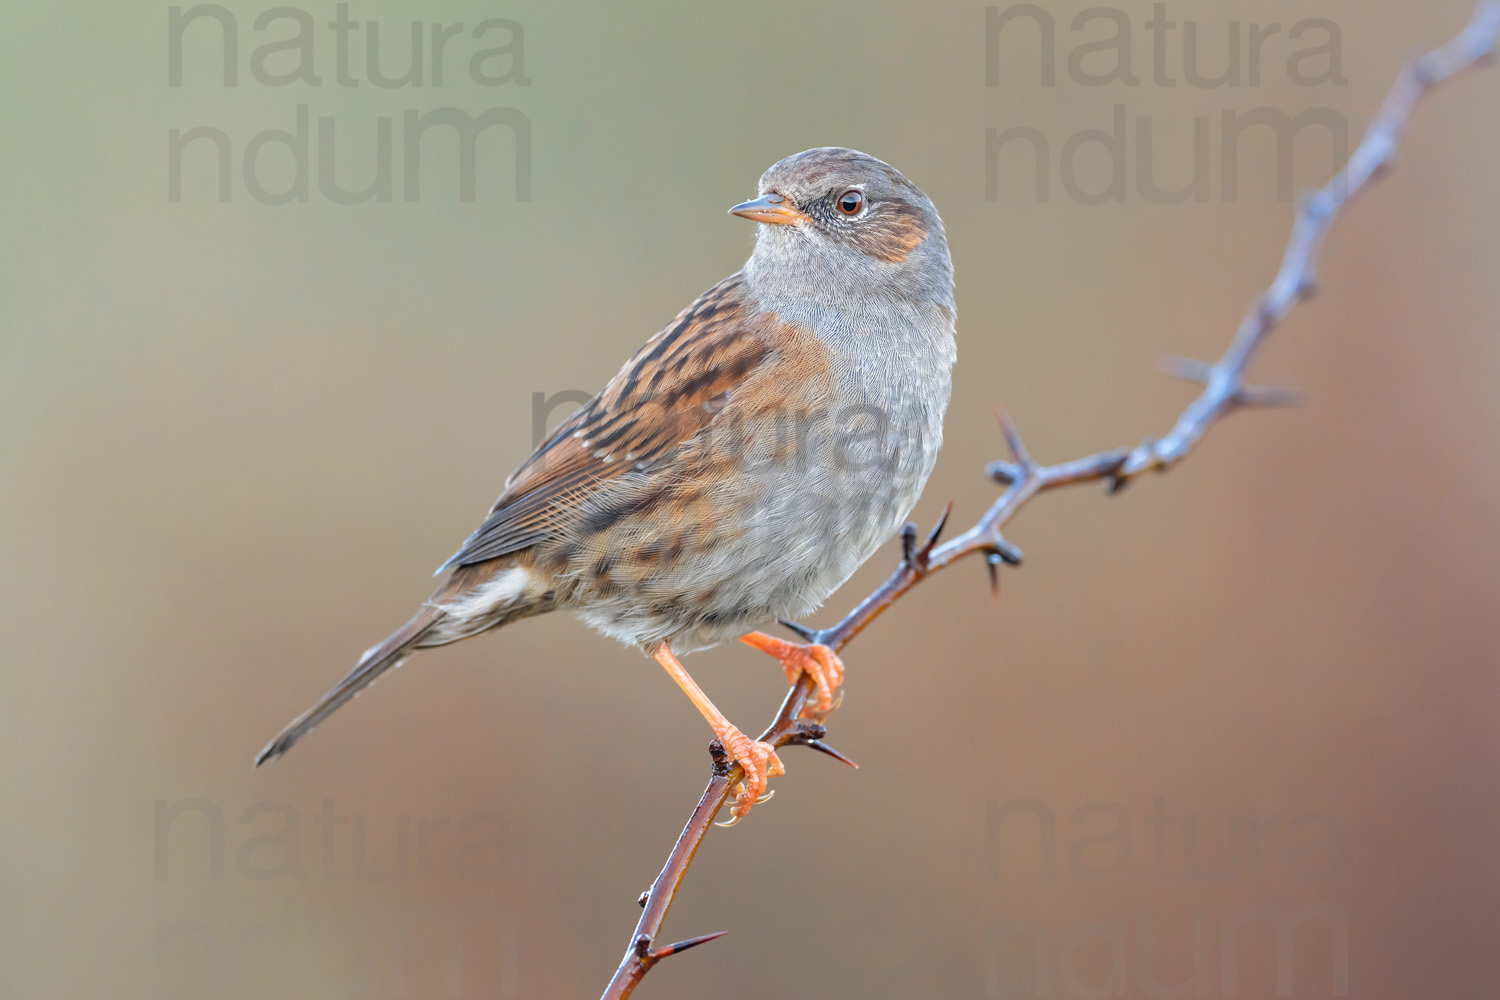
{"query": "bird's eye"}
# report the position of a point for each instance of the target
(851, 201)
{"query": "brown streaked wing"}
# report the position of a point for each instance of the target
(664, 396)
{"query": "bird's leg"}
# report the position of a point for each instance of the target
(758, 760)
(814, 659)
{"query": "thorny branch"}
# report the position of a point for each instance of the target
(1224, 391)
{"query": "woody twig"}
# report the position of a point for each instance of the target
(1224, 391)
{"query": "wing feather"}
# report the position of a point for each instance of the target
(668, 393)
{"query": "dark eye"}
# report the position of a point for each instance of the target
(851, 201)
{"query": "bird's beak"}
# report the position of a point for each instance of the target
(771, 208)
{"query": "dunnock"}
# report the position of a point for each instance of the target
(742, 464)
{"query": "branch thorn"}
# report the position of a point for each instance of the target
(801, 631)
(1268, 396)
(681, 946)
(935, 533)
(1187, 369)
(1013, 440)
(822, 747)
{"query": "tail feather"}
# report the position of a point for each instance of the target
(376, 661)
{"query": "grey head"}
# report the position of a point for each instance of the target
(843, 229)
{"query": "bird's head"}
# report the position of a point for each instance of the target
(850, 224)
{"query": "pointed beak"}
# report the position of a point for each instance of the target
(771, 208)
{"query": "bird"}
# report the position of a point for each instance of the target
(741, 465)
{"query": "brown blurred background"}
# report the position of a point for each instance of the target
(235, 439)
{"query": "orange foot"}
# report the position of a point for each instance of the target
(760, 764)
(816, 660)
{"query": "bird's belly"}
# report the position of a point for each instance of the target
(774, 540)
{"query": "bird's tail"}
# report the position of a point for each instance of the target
(377, 660)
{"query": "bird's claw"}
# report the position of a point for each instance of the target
(819, 662)
(827, 672)
(760, 764)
